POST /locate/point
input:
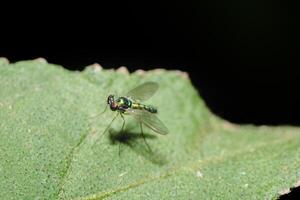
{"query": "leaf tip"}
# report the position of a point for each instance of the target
(123, 70)
(284, 191)
(297, 183)
(159, 70)
(287, 191)
(228, 125)
(96, 67)
(182, 74)
(4, 60)
(140, 72)
(41, 60)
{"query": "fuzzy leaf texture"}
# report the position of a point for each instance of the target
(51, 145)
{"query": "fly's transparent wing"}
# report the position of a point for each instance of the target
(143, 92)
(148, 119)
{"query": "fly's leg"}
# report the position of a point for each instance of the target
(123, 125)
(109, 125)
(142, 132)
(122, 130)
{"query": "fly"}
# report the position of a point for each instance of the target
(131, 104)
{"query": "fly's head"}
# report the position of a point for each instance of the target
(112, 103)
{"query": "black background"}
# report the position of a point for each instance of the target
(241, 55)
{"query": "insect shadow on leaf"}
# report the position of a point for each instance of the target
(132, 139)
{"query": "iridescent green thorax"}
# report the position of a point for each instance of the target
(123, 103)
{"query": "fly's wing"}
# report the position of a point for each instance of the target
(148, 119)
(143, 92)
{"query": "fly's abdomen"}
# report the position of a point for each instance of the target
(150, 109)
(144, 107)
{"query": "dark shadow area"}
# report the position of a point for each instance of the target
(294, 194)
(135, 142)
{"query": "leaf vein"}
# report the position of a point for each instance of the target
(191, 165)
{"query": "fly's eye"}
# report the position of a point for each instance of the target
(110, 99)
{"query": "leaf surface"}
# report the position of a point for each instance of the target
(52, 146)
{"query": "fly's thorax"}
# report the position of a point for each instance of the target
(123, 103)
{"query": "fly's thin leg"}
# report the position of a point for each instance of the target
(142, 132)
(104, 109)
(123, 125)
(109, 124)
(122, 130)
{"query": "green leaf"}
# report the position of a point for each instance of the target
(51, 146)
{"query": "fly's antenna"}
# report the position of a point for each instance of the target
(92, 118)
(95, 116)
(104, 109)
